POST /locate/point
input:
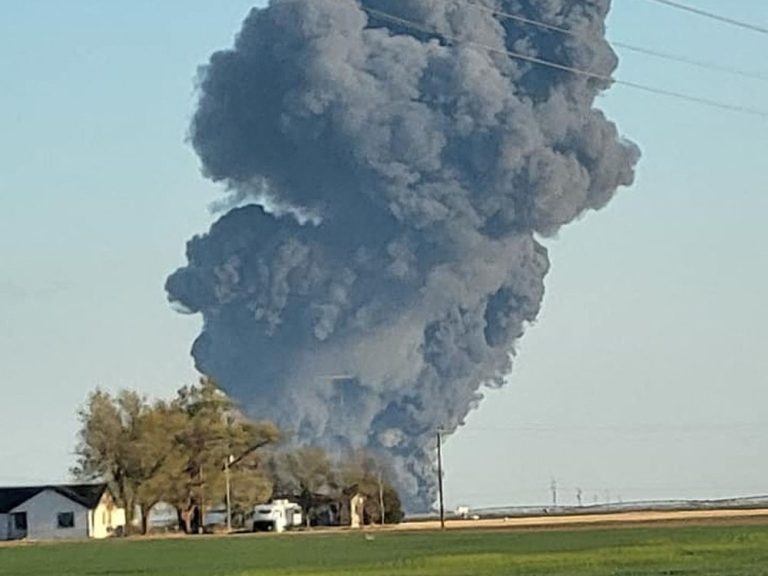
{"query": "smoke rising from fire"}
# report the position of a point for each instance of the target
(396, 190)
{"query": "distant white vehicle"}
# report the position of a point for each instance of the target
(462, 511)
(277, 516)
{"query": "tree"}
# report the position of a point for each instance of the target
(161, 454)
(308, 475)
(369, 476)
(249, 486)
(214, 433)
(100, 448)
(173, 452)
(124, 442)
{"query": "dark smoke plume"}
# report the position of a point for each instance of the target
(396, 185)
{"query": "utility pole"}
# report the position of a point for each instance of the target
(553, 487)
(229, 493)
(201, 528)
(440, 477)
(381, 498)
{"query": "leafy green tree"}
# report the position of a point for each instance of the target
(370, 477)
(124, 441)
(161, 452)
(173, 451)
(215, 433)
(250, 485)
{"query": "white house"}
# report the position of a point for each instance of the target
(59, 512)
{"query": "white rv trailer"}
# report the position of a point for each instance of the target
(277, 516)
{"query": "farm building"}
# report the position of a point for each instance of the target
(55, 512)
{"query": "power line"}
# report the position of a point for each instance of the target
(518, 18)
(631, 47)
(692, 61)
(562, 67)
(713, 16)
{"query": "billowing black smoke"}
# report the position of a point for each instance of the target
(405, 180)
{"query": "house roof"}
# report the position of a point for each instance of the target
(87, 495)
(12, 497)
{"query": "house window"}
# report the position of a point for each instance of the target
(66, 520)
(20, 521)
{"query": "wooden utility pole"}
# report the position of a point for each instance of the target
(201, 528)
(440, 477)
(229, 492)
(553, 488)
(381, 499)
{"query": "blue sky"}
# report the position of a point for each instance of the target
(644, 376)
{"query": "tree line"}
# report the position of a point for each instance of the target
(180, 452)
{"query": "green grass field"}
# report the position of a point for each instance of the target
(719, 550)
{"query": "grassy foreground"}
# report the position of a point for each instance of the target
(715, 550)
